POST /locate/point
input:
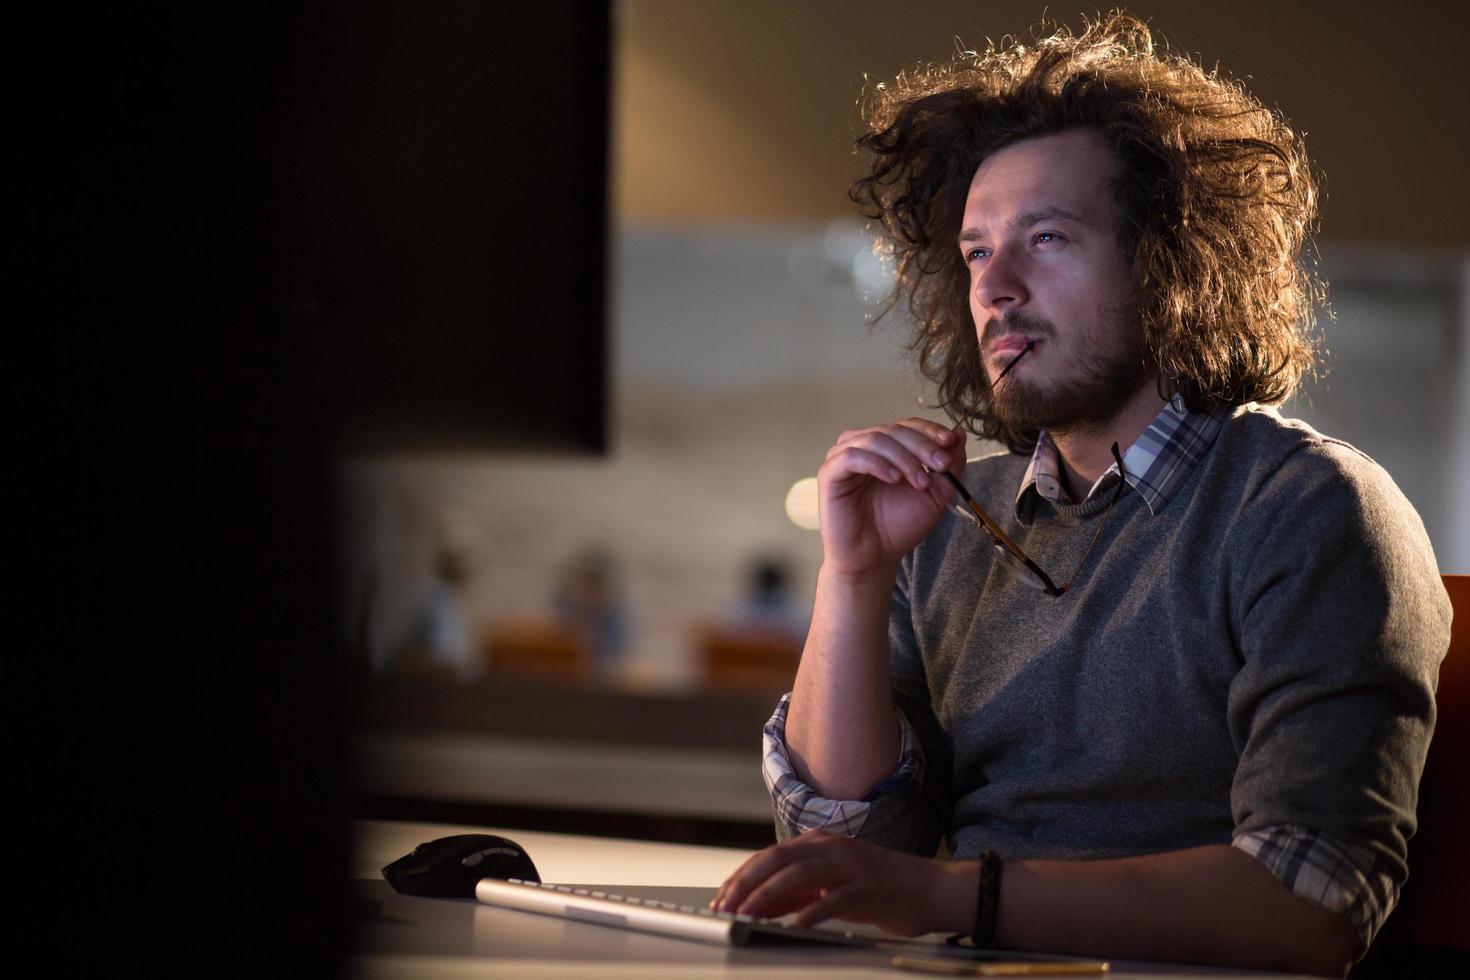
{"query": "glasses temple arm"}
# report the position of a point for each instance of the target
(990, 525)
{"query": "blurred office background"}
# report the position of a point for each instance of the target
(592, 641)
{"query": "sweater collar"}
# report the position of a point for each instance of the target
(1155, 465)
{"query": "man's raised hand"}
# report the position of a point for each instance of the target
(877, 502)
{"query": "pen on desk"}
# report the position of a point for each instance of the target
(1000, 968)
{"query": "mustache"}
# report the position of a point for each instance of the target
(1025, 324)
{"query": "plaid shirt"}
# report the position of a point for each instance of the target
(1338, 875)
(1156, 463)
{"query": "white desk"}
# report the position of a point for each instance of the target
(446, 939)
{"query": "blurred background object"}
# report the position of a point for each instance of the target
(757, 643)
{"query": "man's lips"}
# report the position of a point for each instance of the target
(1010, 344)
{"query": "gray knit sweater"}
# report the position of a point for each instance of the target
(1261, 652)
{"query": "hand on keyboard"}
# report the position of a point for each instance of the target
(820, 876)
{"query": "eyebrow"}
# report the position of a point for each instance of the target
(1025, 221)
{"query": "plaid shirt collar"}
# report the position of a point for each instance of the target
(1156, 463)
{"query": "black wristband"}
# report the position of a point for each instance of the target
(987, 900)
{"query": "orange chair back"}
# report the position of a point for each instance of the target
(1434, 909)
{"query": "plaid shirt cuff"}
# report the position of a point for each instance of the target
(1327, 871)
(799, 808)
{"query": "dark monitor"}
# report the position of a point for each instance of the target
(453, 182)
(252, 237)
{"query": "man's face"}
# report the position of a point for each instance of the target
(1040, 238)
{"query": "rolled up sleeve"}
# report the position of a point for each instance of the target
(799, 808)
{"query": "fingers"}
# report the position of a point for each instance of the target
(920, 437)
(957, 444)
(835, 904)
(796, 886)
(762, 865)
(912, 463)
(746, 877)
(910, 448)
(821, 876)
(853, 460)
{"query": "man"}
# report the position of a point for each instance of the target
(1202, 745)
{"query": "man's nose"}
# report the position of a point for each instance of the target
(1002, 284)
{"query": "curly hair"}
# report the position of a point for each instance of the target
(1216, 198)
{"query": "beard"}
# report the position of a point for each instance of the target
(1105, 375)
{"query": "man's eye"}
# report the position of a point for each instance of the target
(1047, 237)
(976, 253)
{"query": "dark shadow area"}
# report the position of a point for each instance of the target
(195, 257)
(669, 829)
(567, 712)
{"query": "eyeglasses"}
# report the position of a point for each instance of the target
(1010, 555)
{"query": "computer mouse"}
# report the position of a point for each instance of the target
(450, 867)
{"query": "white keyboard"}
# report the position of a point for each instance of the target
(647, 915)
